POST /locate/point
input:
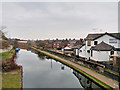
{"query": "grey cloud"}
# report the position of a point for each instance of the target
(62, 20)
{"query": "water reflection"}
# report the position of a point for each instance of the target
(85, 82)
(34, 51)
(62, 67)
(41, 56)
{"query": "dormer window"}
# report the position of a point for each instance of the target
(89, 43)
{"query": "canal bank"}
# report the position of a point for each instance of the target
(42, 71)
(11, 72)
(101, 80)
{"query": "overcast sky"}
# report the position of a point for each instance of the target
(50, 20)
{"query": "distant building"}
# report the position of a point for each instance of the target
(72, 43)
(49, 43)
(64, 43)
(57, 44)
(67, 50)
(21, 42)
(31, 42)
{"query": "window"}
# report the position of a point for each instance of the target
(95, 42)
(112, 52)
(89, 43)
(112, 41)
(91, 53)
(88, 51)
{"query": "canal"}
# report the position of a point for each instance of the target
(40, 71)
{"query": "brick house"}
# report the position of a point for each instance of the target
(49, 43)
(57, 44)
(22, 42)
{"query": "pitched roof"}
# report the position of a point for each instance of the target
(97, 35)
(92, 36)
(102, 47)
(48, 41)
(76, 47)
(67, 48)
(58, 41)
(116, 35)
(72, 41)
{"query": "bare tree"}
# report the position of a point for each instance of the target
(3, 39)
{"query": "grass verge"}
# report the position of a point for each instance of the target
(112, 72)
(12, 79)
(7, 55)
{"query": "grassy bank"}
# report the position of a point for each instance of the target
(7, 55)
(77, 69)
(13, 78)
(112, 72)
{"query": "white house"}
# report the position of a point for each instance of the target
(100, 39)
(67, 50)
(102, 52)
(79, 50)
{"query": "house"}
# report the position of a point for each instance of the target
(31, 42)
(60, 44)
(72, 43)
(57, 44)
(67, 50)
(64, 43)
(95, 42)
(49, 43)
(79, 42)
(82, 51)
(103, 51)
(22, 42)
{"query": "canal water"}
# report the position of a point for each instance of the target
(40, 71)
